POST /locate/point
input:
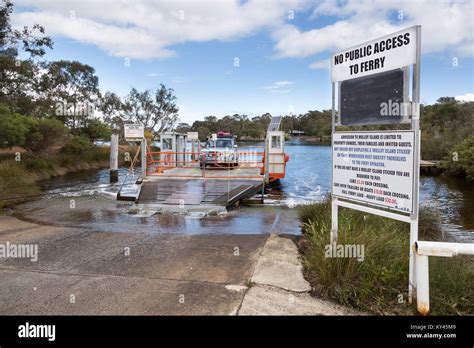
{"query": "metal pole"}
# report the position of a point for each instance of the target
(443, 249)
(143, 145)
(415, 124)
(114, 158)
(423, 250)
(423, 282)
(334, 206)
(266, 154)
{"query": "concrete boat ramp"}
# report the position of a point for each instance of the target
(81, 271)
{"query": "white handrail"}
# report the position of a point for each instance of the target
(443, 249)
(423, 250)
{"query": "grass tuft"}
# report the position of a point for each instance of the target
(379, 283)
(18, 178)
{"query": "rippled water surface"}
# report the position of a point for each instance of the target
(307, 180)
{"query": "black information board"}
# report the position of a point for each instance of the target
(374, 99)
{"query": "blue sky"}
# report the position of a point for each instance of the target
(281, 47)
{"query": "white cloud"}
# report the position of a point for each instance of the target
(446, 26)
(144, 29)
(283, 83)
(320, 64)
(278, 87)
(155, 75)
(468, 97)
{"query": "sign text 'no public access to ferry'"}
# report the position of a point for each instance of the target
(382, 54)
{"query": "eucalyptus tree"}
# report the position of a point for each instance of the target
(18, 76)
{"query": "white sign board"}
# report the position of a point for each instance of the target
(386, 53)
(133, 131)
(375, 168)
(193, 136)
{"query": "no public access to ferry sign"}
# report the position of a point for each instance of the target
(386, 53)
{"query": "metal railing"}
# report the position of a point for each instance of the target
(130, 172)
(423, 250)
(192, 164)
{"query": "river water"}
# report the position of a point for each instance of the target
(308, 180)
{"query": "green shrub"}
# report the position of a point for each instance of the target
(376, 283)
(96, 129)
(29, 132)
(460, 159)
(429, 224)
(39, 164)
(36, 164)
(15, 183)
(77, 146)
(14, 128)
(48, 133)
(444, 125)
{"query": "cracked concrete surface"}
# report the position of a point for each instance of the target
(160, 274)
(279, 286)
(279, 266)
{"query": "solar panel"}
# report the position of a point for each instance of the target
(274, 124)
(361, 99)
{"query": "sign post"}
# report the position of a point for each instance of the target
(375, 170)
(136, 132)
(415, 126)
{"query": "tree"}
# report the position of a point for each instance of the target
(14, 128)
(443, 125)
(460, 160)
(95, 129)
(47, 135)
(29, 132)
(69, 90)
(112, 107)
(18, 77)
(156, 112)
(210, 119)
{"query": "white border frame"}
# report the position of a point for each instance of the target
(412, 219)
(375, 204)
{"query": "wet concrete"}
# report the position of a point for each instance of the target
(81, 271)
(104, 213)
(100, 256)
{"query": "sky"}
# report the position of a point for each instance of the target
(249, 57)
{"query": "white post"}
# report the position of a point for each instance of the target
(114, 158)
(267, 158)
(412, 280)
(423, 250)
(143, 158)
(334, 206)
(415, 125)
(423, 284)
(334, 220)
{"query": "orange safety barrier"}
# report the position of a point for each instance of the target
(158, 162)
